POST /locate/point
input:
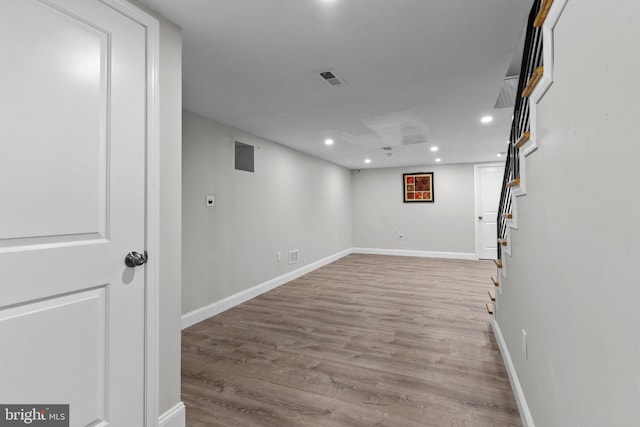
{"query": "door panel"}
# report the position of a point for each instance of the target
(68, 353)
(59, 112)
(72, 156)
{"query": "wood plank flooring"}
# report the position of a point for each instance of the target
(369, 340)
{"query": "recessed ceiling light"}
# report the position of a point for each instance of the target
(438, 159)
(499, 154)
(434, 148)
(328, 141)
(508, 142)
(367, 161)
(486, 119)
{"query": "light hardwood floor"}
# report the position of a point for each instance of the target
(368, 340)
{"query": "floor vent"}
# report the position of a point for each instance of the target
(330, 77)
(293, 256)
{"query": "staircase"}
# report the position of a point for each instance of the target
(536, 76)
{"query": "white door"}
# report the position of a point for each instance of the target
(72, 205)
(488, 187)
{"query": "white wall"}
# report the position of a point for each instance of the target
(447, 225)
(170, 77)
(170, 94)
(292, 201)
(573, 282)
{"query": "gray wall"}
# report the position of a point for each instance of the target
(170, 93)
(292, 201)
(573, 281)
(170, 78)
(447, 225)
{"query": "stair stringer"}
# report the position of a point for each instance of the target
(526, 149)
(531, 144)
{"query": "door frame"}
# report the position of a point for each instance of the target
(476, 202)
(152, 220)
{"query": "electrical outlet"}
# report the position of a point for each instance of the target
(524, 345)
(210, 200)
(278, 256)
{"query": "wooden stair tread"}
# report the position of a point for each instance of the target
(507, 215)
(498, 263)
(503, 242)
(492, 295)
(533, 82)
(524, 138)
(542, 13)
(494, 279)
(489, 308)
(513, 183)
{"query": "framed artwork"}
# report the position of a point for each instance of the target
(417, 187)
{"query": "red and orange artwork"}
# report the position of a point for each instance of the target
(423, 183)
(418, 187)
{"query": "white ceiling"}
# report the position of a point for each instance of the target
(418, 72)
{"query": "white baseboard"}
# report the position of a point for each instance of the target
(174, 417)
(424, 254)
(203, 313)
(525, 413)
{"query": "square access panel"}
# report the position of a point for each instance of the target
(244, 157)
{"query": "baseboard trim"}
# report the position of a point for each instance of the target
(525, 413)
(203, 313)
(423, 254)
(174, 417)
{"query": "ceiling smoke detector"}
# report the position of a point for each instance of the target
(330, 77)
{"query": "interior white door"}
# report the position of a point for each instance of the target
(489, 187)
(72, 205)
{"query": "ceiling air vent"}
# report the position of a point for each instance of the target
(330, 77)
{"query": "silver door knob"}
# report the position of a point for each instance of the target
(479, 218)
(135, 259)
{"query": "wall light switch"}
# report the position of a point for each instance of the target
(524, 345)
(211, 200)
